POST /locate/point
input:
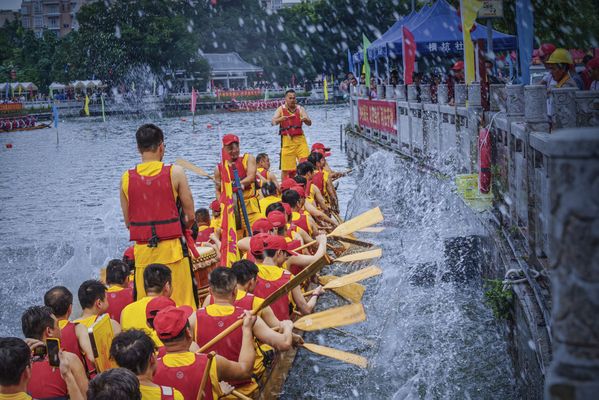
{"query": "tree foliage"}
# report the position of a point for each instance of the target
(164, 36)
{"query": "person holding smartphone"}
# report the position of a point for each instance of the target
(54, 373)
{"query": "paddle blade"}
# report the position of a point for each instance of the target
(344, 356)
(365, 255)
(352, 292)
(364, 220)
(354, 277)
(192, 167)
(333, 317)
(373, 229)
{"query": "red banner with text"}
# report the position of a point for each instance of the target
(378, 114)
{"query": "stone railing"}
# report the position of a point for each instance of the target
(546, 194)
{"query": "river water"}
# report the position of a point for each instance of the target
(432, 338)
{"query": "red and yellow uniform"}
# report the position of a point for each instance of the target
(185, 371)
(68, 338)
(15, 396)
(204, 232)
(159, 393)
(269, 279)
(168, 250)
(249, 193)
(118, 298)
(293, 142)
(265, 202)
(301, 220)
(46, 381)
(264, 173)
(134, 317)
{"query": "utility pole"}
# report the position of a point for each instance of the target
(413, 5)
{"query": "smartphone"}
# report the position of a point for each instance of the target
(53, 347)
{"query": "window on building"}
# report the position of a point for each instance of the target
(37, 7)
(38, 22)
(25, 23)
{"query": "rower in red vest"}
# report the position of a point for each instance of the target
(246, 169)
(216, 317)
(263, 174)
(60, 300)
(204, 228)
(47, 381)
(184, 369)
(271, 253)
(119, 293)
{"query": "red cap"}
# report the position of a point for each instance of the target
(230, 138)
(546, 49)
(277, 243)
(593, 63)
(277, 219)
(319, 147)
(257, 243)
(287, 184)
(129, 253)
(287, 208)
(170, 321)
(262, 225)
(215, 206)
(300, 190)
(157, 304)
(458, 66)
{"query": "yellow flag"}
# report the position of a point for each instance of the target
(326, 90)
(20, 89)
(469, 10)
(86, 106)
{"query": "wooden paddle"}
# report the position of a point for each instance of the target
(333, 317)
(193, 168)
(373, 229)
(356, 276)
(364, 220)
(344, 356)
(365, 255)
(240, 395)
(350, 240)
(205, 375)
(352, 292)
(306, 273)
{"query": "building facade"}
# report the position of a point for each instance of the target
(57, 16)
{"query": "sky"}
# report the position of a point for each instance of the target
(10, 4)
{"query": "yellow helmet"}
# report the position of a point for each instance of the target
(560, 56)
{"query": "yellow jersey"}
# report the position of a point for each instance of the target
(134, 317)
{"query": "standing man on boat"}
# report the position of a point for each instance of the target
(294, 148)
(157, 208)
(246, 168)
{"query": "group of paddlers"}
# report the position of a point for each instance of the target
(162, 344)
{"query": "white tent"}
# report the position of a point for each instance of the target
(57, 86)
(29, 86)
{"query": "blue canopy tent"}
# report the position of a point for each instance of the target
(436, 31)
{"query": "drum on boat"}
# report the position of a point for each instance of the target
(205, 263)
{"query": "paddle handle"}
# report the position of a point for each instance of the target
(241, 200)
(205, 375)
(240, 395)
(306, 245)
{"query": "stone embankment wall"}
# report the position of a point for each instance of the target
(545, 215)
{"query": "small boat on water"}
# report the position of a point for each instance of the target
(255, 105)
(15, 123)
(25, 128)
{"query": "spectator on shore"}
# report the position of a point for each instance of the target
(545, 52)
(585, 74)
(456, 76)
(559, 64)
(593, 68)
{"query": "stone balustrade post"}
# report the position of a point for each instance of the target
(573, 263)
(442, 94)
(535, 108)
(514, 100)
(380, 92)
(425, 93)
(412, 95)
(400, 90)
(495, 93)
(390, 92)
(563, 108)
(474, 97)
(460, 94)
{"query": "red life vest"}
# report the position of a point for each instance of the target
(117, 301)
(302, 222)
(208, 326)
(291, 126)
(242, 172)
(185, 379)
(246, 302)
(153, 212)
(265, 288)
(318, 181)
(46, 381)
(204, 233)
(263, 173)
(69, 342)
